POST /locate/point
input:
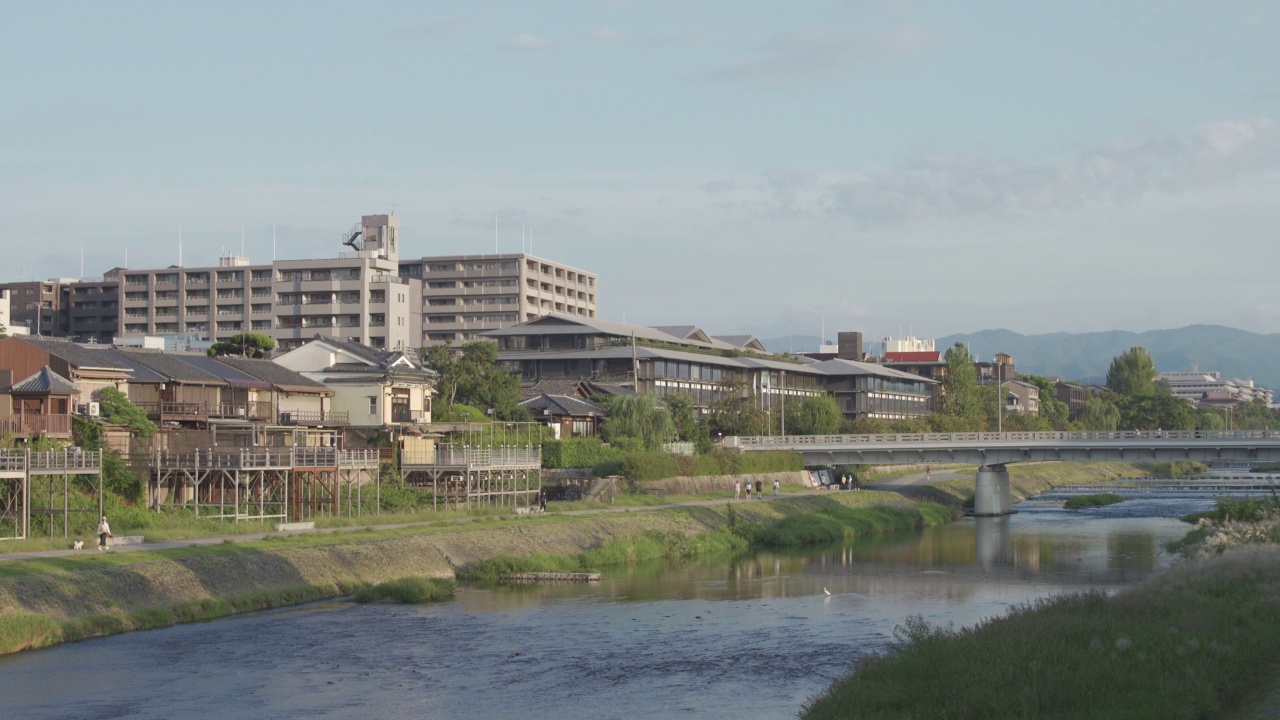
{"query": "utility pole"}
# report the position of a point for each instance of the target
(784, 403)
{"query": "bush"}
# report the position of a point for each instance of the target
(578, 453)
(1088, 501)
(649, 466)
(412, 590)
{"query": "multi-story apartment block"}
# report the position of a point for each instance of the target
(359, 296)
(464, 296)
(356, 296)
(5, 293)
(90, 308)
(37, 306)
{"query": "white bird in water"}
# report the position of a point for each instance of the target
(826, 591)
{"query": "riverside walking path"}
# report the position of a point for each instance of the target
(250, 537)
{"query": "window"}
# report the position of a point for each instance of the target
(373, 405)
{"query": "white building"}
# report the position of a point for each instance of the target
(1208, 387)
(376, 388)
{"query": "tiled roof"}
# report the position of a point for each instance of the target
(553, 386)
(233, 377)
(278, 375)
(79, 356)
(44, 382)
(561, 405)
(172, 366)
(139, 373)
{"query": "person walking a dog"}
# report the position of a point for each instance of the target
(104, 532)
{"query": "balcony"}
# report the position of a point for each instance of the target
(313, 418)
(30, 426)
(175, 410)
(261, 410)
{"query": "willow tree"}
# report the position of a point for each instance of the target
(639, 417)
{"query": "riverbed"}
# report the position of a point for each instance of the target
(746, 636)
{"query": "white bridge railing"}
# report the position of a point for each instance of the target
(1082, 436)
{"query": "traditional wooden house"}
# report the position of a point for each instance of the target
(298, 400)
(39, 406)
(188, 396)
(86, 367)
(568, 416)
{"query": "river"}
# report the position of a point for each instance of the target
(749, 636)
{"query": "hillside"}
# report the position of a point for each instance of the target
(1086, 356)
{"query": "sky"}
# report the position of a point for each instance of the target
(909, 167)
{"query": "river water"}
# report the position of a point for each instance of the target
(749, 636)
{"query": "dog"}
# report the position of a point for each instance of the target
(77, 545)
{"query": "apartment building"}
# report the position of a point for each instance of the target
(5, 294)
(90, 308)
(355, 296)
(37, 306)
(464, 296)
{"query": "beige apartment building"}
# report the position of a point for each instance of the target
(355, 296)
(366, 294)
(466, 295)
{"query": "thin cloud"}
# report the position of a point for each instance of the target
(528, 41)
(807, 52)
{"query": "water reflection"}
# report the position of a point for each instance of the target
(735, 636)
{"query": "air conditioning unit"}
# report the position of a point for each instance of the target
(95, 409)
(82, 409)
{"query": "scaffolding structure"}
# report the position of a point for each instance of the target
(477, 465)
(42, 483)
(289, 484)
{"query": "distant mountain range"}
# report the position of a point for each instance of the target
(1085, 357)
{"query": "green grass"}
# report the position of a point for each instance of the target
(1092, 501)
(843, 523)
(29, 631)
(1186, 644)
(1246, 509)
(410, 590)
(641, 547)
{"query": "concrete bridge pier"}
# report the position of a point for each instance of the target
(991, 496)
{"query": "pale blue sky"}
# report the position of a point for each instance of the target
(934, 167)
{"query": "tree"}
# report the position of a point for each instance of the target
(1132, 373)
(685, 417)
(4, 331)
(250, 345)
(1099, 414)
(960, 395)
(1052, 409)
(475, 378)
(735, 413)
(1156, 412)
(814, 415)
(116, 408)
(639, 417)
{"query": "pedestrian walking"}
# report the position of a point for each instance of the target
(928, 473)
(737, 489)
(748, 489)
(775, 488)
(104, 532)
(542, 500)
(759, 490)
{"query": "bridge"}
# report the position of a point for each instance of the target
(991, 452)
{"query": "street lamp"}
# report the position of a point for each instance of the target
(999, 368)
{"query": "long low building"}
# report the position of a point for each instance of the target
(685, 360)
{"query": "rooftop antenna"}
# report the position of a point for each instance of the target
(126, 257)
(273, 242)
(179, 247)
(241, 241)
(495, 232)
(823, 340)
(81, 262)
(530, 239)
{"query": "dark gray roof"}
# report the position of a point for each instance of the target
(560, 405)
(79, 356)
(837, 367)
(278, 375)
(596, 388)
(173, 367)
(140, 373)
(232, 376)
(553, 386)
(44, 382)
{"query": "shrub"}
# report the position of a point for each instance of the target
(577, 453)
(649, 466)
(410, 590)
(1088, 501)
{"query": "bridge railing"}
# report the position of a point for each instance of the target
(1117, 436)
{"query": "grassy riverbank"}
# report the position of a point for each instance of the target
(52, 600)
(1028, 479)
(1188, 643)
